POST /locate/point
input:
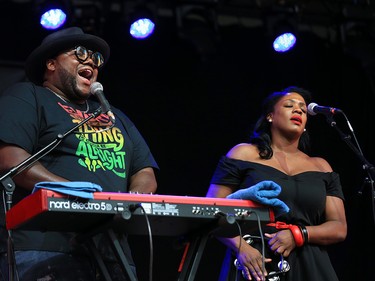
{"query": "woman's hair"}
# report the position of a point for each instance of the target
(261, 136)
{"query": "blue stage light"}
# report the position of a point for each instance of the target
(53, 19)
(142, 28)
(284, 42)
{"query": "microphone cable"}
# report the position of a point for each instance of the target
(353, 133)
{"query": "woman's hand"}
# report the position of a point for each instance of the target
(251, 263)
(281, 242)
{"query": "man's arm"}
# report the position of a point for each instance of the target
(143, 181)
(12, 155)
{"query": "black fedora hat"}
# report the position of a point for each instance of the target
(59, 41)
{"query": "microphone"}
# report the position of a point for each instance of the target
(97, 90)
(314, 109)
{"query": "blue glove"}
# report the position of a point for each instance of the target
(76, 188)
(264, 192)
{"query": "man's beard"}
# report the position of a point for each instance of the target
(69, 86)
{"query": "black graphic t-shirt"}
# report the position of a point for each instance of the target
(98, 151)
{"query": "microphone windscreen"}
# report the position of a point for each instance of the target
(96, 86)
(310, 108)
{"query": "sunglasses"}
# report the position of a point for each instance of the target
(82, 54)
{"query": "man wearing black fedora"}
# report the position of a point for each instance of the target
(106, 150)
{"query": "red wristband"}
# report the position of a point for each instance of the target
(296, 231)
(297, 235)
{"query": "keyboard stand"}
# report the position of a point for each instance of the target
(191, 258)
(194, 250)
(115, 245)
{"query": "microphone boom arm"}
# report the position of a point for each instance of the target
(366, 165)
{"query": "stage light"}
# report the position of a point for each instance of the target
(142, 20)
(284, 42)
(142, 28)
(52, 14)
(282, 30)
(53, 19)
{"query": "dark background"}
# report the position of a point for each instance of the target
(194, 99)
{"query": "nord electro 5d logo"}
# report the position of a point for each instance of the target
(68, 205)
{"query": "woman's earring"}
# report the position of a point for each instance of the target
(269, 120)
(304, 130)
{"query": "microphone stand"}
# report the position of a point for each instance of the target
(8, 184)
(367, 166)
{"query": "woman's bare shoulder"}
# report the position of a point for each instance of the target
(321, 164)
(244, 151)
